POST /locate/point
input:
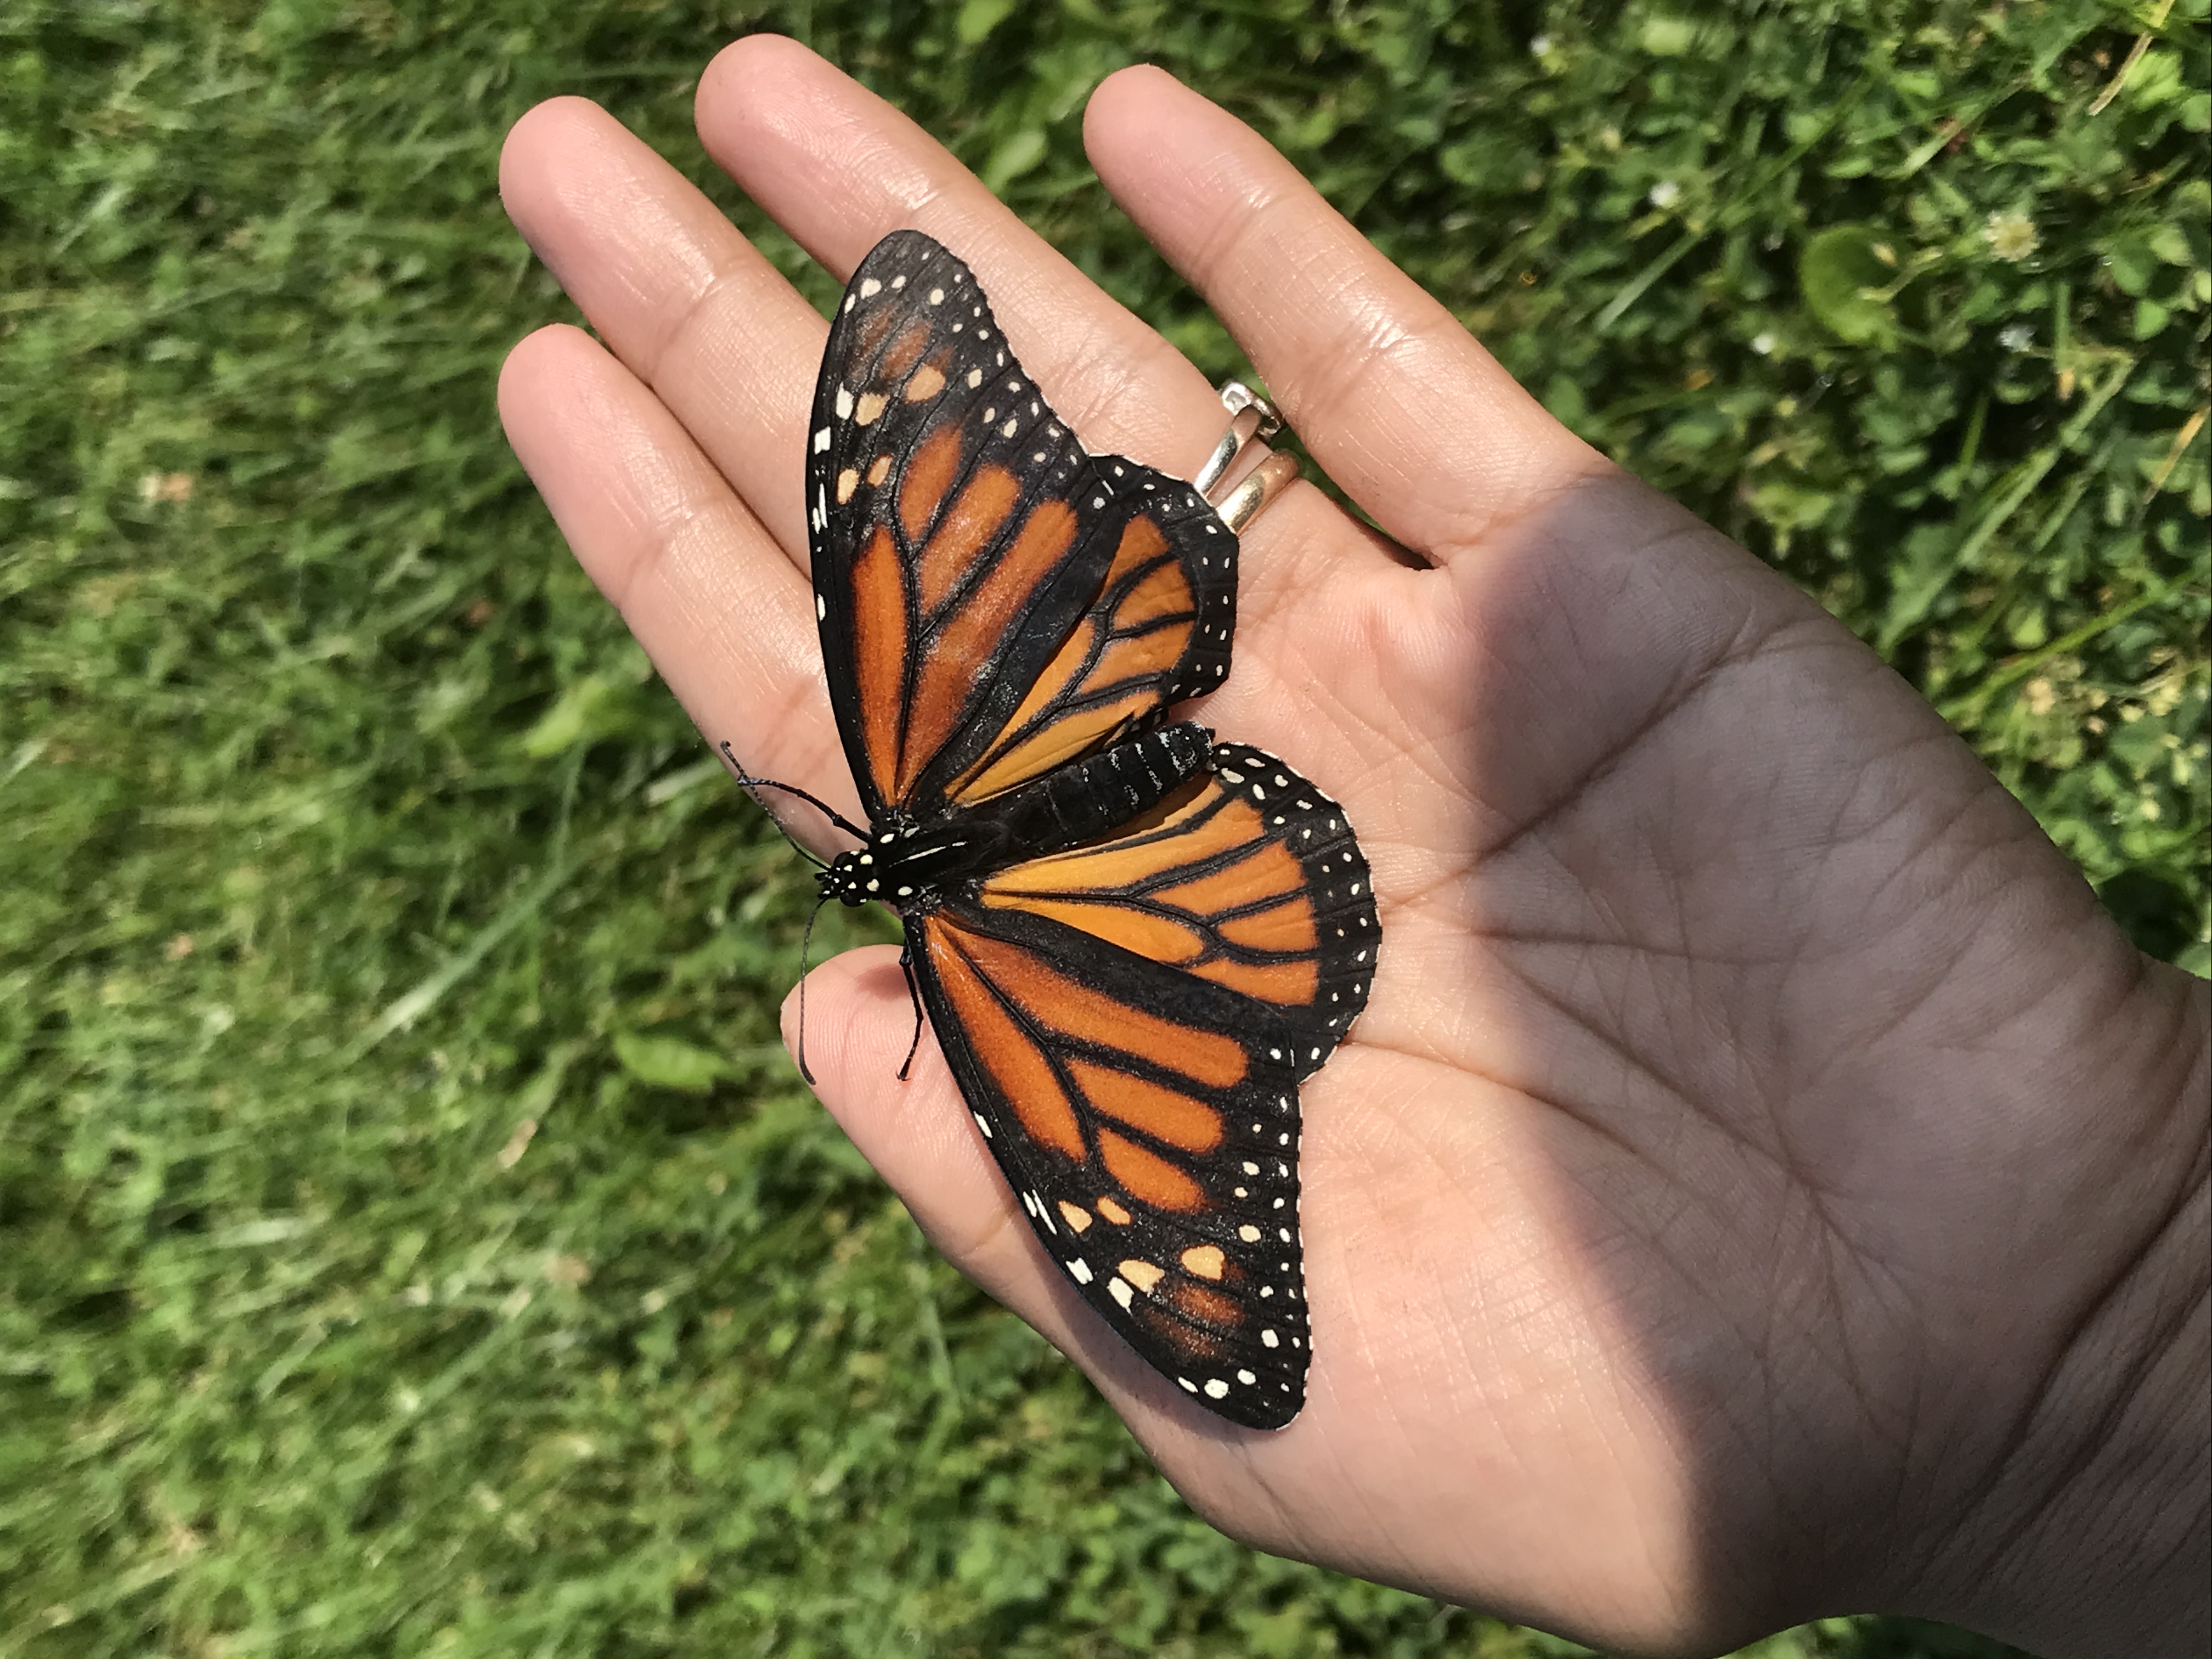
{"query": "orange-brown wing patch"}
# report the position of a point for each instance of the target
(1150, 1138)
(1286, 926)
(935, 465)
(1021, 1070)
(1146, 1176)
(1250, 877)
(1194, 832)
(1128, 658)
(976, 516)
(879, 637)
(1208, 892)
(1209, 1307)
(904, 353)
(1052, 1000)
(1170, 1115)
(1192, 1347)
(1290, 985)
(946, 680)
(1162, 938)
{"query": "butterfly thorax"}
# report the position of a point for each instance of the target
(913, 864)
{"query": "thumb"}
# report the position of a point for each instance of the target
(915, 1131)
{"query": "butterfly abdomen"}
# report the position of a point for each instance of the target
(1080, 803)
(911, 866)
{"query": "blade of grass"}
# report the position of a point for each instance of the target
(415, 1003)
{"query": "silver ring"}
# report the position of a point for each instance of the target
(1249, 499)
(1251, 419)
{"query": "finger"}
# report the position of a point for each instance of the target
(920, 1136)
(1417, 422)
(677, 293)
(839, 168)
(725, 619)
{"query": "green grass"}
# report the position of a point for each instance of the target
(412, 1239)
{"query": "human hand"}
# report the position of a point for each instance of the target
(1761, 1168)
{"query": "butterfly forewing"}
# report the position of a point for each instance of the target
(1157, 632)
(993, 600)
(1148, 1124)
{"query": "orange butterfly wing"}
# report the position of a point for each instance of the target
(1128, 1022)
(1249, 877)
(1148, 1124)
(993, 600)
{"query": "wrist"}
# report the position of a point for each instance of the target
(2090, 1536)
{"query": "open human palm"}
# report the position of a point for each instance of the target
(1658, 1211)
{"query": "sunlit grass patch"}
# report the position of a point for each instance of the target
(412, 1237)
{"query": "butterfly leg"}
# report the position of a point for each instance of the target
(914, 991)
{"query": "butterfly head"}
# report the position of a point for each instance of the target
(850, 878)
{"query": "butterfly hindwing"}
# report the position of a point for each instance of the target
(1249, 877)
(1148, 1122)
(993, 600)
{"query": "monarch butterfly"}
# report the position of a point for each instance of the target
(1132, 942)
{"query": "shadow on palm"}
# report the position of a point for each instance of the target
(1616, 1229)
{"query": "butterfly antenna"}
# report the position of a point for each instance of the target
(806, 945)
(747, 780)
(914, 992)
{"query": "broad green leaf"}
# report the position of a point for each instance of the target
(1839, 272)
(669, 1062)
(979, 17)
(572, 719)
(2133, 262)
(1015, 155)
(2170, 243)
